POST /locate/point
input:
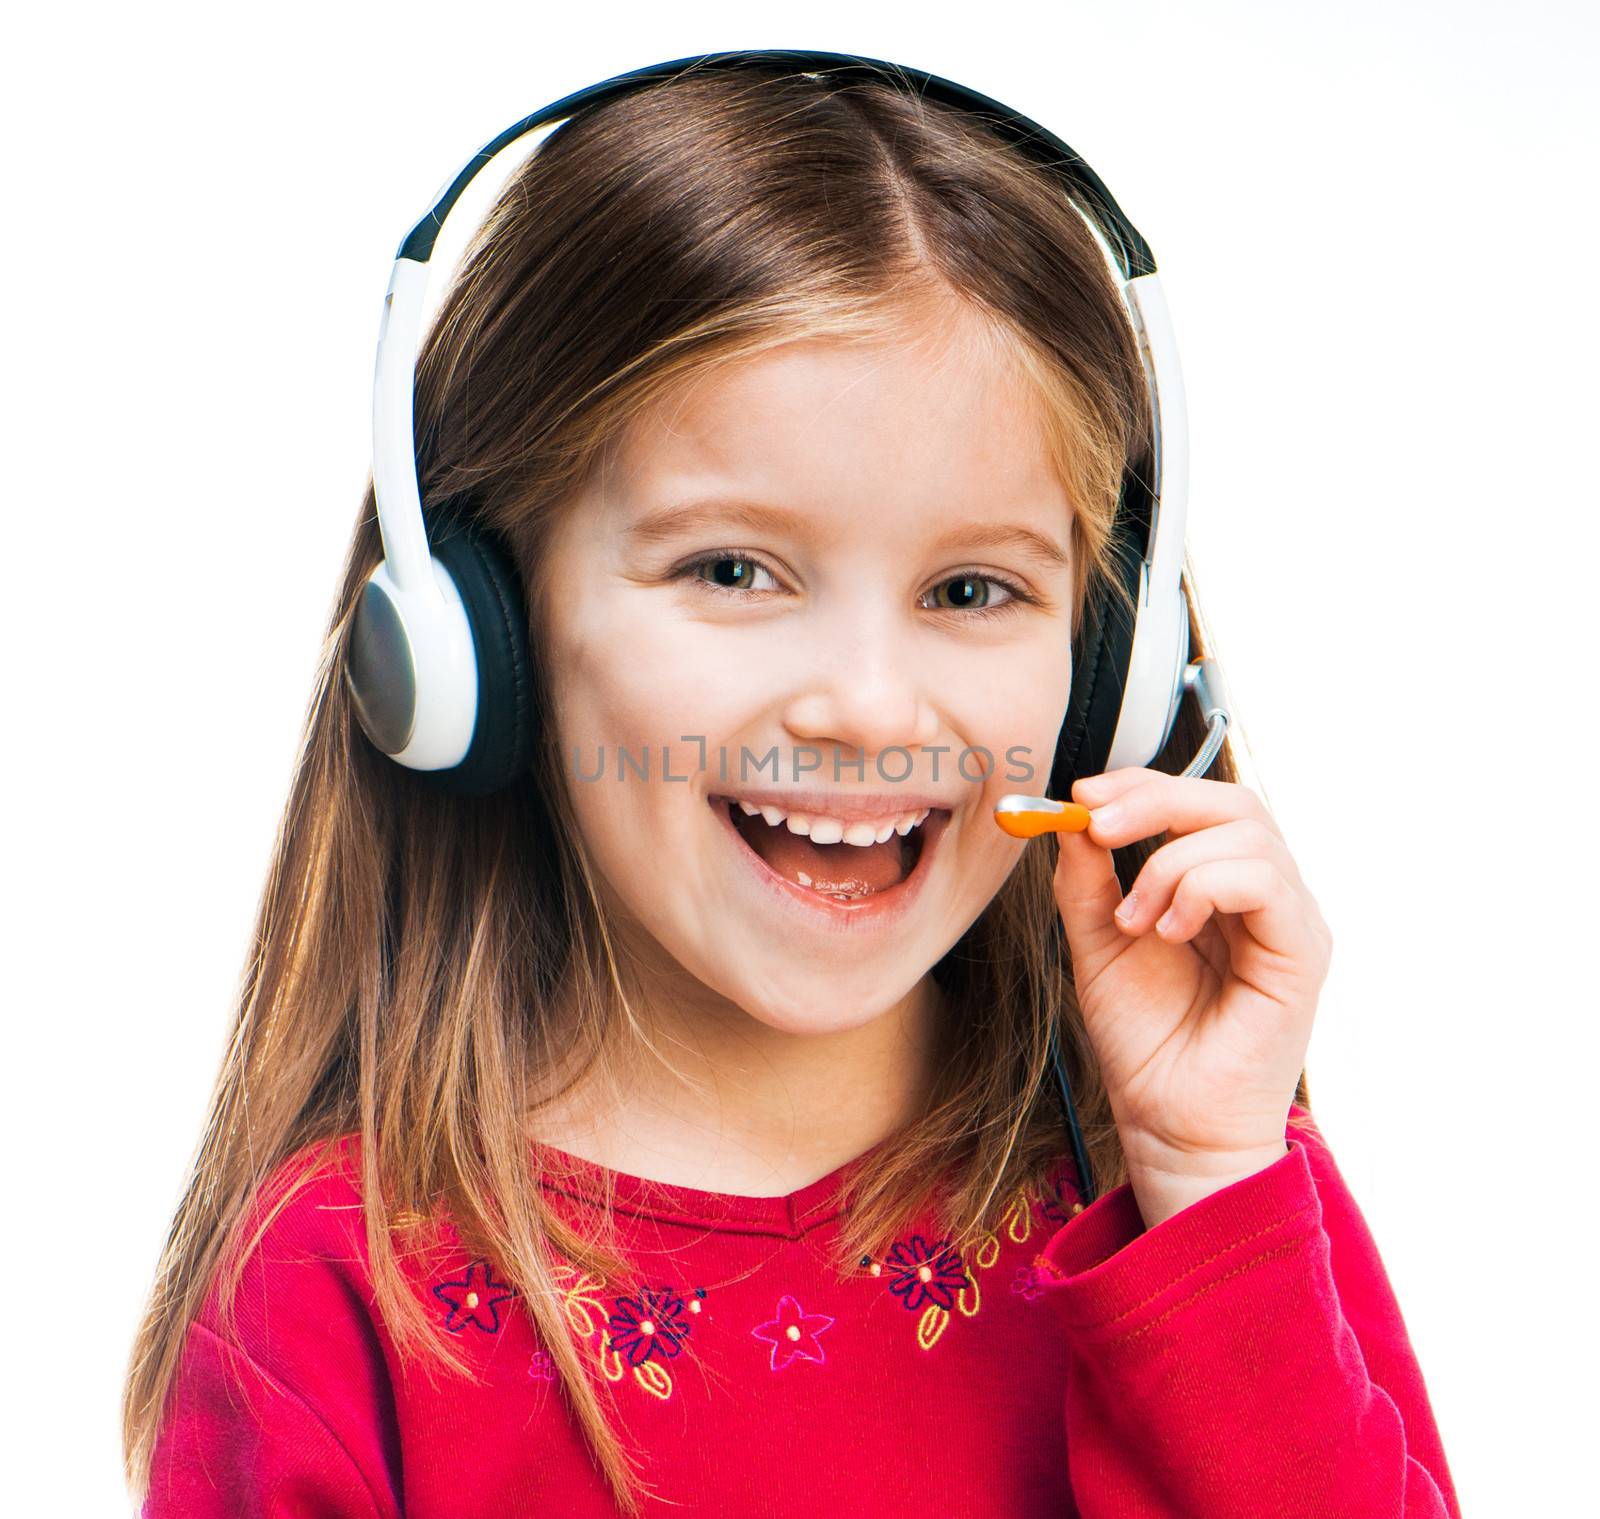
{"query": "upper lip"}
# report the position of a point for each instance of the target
(848, 807)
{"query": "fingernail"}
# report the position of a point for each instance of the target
(1106, 818)
(1130, 905)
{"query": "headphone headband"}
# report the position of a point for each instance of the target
(1131, 252)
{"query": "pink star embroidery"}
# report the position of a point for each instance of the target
(793, 1333)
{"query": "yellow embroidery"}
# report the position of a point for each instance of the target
(580, 1302)
(931, 1325)
(654, 1378)
(1018, 1220)
(1017, 1223)
(588, 1315)
(964, 1298)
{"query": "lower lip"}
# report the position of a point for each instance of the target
(803, 905)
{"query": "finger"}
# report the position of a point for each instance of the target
(1152, 891)
(1175, 804)
(1094, 790)
(1087, 892)
(1266, 901)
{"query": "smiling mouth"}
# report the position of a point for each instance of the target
(842, 872)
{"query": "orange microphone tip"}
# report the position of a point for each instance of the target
(1026, 817)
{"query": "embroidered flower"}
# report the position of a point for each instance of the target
(541, 1367)
(1046, 1270)
(793, 1333)
(653, 1324)
(1054, 1205)
(475, 1299)
(923, 1273)
(1026, 1281)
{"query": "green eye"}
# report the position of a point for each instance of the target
(734, 570)
(968, 592)
(732, 574)
(971, 593)
(737, 572)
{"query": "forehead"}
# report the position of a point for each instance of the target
(934, 416)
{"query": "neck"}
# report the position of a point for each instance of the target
(706, 1096)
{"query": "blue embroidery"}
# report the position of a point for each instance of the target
(474, 1300)
(652, 1324)
(922, 1273)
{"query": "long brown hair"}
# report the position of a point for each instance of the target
(424, 963)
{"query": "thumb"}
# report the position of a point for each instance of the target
(1087, 893)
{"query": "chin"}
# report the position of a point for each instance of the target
(815, 1005)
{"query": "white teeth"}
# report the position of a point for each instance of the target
(803, 878)
(825, 830)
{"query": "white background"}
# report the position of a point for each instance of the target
(1376, 230)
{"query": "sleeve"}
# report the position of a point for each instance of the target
(1244, 1357)
(238, 1444)
(286, 1409)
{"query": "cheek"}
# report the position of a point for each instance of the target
(1013, 707)
(622, 679)
(633, 668)
(633, 706)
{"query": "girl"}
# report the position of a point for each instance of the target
(673, 1129)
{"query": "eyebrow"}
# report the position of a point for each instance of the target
(665, 523)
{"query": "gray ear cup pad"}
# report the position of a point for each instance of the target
(1100, 658)
(491, 591)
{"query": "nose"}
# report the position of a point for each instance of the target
(863, 689)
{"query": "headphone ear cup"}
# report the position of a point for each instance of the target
(505, 727)
(1101, 655)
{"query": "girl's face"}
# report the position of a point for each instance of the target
(834, 580)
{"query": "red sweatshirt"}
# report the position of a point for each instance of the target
(1244, 1359)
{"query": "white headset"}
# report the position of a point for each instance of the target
(438, 666)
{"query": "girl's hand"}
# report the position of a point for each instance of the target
(1199, 1004)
